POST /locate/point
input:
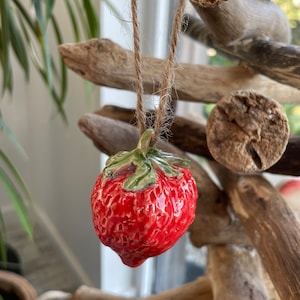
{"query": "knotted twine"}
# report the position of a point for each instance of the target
(167, 80)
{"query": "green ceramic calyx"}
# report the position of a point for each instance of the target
(146, 160)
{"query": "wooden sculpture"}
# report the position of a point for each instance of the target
(252, 234)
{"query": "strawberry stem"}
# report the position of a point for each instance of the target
(145, 140)
(146, 161)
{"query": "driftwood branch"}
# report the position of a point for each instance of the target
(274, 59)
(17, 285)
(107, 64)
(89, 293)
(214, 223)
(187, 135)
(199, 289)
(236, 273)
(190, 136)
(230, 21)
(247, 132)
(271, 225)
(207, 3)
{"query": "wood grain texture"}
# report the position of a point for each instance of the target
(199, 289)
(105, 63)
(271, 225)
(207, 3)
(17, 285)
(230, 21)
(190, 136)
(236, 273)
(274, 59)
(247, 132)
(279, 61)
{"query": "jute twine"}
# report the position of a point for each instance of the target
(167, 80)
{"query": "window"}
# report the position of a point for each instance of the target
(156, 18)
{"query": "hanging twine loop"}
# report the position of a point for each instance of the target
(140, 112)
(167, 81)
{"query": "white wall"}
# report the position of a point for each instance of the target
(62, 163)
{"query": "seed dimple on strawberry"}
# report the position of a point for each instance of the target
(144, 222)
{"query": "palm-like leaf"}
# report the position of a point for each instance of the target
(21, 32)
(17, 201)
(25, 35)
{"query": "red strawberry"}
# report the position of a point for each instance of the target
(142, 206)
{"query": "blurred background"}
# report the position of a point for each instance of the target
(59, 164)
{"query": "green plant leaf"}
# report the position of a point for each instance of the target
(28, 39)
(73, 20)
(24, 13)
(63, 69)
(18, 44)
(49, 67)
(18, 178)
(83, 21)
(54, 94)
(91, 18)
(7, 81)
(4, 43)
(21, 34)
(43, 41)
(3, 252)
(17, 202)
(49, 9)
(12, 137)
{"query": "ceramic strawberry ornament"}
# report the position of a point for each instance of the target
(145, 199)
(143, 202)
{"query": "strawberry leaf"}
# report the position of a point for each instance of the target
(145, 161)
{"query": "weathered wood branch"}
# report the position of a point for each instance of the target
(271, 225)
(199, 289)
(214, 223)
(276, 60)
(190, 136)
(247, 132)
(195, 28)
(17, 285)
(236, 20)
(107, 64)
(89, 293)
(208, 3)
(236, 273)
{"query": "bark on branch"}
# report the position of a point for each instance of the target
(247, 132)
(274, 59)
(271, 225)
(199, 289)
(190, 136)
(230, 21)
(16, 285)
(107, 64)
(236, 273)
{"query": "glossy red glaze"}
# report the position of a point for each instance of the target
(143, 224)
